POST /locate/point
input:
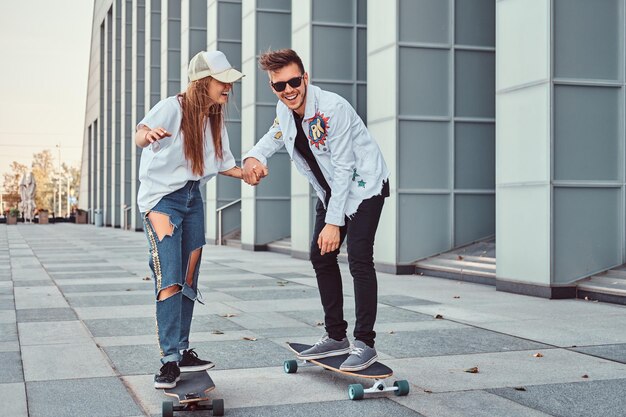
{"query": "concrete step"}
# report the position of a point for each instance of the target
(608, 286)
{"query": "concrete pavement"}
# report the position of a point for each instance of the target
(77, 337)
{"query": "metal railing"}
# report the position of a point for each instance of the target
(218, 212)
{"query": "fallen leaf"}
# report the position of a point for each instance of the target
(217, 332)
(519, 389)
(128, 289)
(146, 278)
(457, 296)
(538, 355)
(282, 283)
(438, 316)
(427, 391)
(252, 339)
(473, 370)
(319, 323)
(585, 376)
(227, 315)
(392, 332)
(460, 258)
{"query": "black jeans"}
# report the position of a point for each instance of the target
(360, 230)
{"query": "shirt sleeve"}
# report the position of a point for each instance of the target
(268, 145)
(166, 114)
(228, 160)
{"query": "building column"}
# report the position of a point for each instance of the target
(265, 208)
(560, 136)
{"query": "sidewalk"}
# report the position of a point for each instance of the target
(77, 337)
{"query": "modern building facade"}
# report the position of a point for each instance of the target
(524, 141)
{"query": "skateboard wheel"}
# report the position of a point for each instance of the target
(355, 391)
(403, 387)
(168, 409)
(290, 366)
(218, 407)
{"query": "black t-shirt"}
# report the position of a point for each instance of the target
(302, 146)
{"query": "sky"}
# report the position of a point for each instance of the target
(44, 56)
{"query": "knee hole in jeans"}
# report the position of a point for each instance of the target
(161, 224)
(192, 265)
(166, 293)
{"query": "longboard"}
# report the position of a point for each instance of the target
(190, 391)
(376, 371)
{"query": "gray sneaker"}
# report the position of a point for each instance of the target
(325, 348)
(361, 356)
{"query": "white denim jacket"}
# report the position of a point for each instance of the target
(348, 156)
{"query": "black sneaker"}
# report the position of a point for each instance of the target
(190, 362)
(168, 376)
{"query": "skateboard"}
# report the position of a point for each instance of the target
(376, 371)
(190, 391)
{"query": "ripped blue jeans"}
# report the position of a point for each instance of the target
(176, 241)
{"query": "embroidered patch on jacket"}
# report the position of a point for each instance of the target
(318, 130)
(278, 135)
(354, 174)
(362, 183)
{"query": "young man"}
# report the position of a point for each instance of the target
(330, 145)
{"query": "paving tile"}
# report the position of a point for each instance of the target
(464, 404)
(8, 332)
(7, 316)
(34, 283)
(580, 399)
(68, 361)
(39, 297)
(11, 370)
(92, 397)
(52, 332)
(438, 342)
(403, 300)
(612, 352)
(13, 400)
(503, 369)
(45, 314)
(146, 325)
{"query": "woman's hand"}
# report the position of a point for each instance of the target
(146, 136)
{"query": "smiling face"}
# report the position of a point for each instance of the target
(219, 91)
(293, 97)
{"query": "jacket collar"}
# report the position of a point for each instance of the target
(311, 101)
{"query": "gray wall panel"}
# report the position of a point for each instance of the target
(475, 22)
(424, 21)
(334, 11)
(587, 139)
(587, 39)
(424, 226)
(586, 239)
(475, 156)
(474, 217)
(338, 64)
(424, 81)
(423, 153)
(475, 85)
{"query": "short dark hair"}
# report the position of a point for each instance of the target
(275, 60)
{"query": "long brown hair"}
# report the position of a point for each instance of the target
(198, 109)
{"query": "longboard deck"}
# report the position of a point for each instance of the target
(192, 387)
(375, 371)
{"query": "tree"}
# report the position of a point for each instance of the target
(43, 169)
(11, 184)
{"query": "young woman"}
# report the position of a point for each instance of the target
(184, 145)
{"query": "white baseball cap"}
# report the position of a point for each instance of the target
(212, 64)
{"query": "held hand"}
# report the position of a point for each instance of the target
(328, 240)
(253, 170)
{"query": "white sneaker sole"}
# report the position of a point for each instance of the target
(196, 368)
(357, 368)
(166, 385)
(325, 354)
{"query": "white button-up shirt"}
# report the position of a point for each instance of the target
(348, 156)
(163, 167)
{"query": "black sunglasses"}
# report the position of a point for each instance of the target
(281, 85)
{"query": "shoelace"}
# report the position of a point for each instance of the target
(322, 340)
(356, 351)
(192, 353)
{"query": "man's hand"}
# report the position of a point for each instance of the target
(328, 240)
(253, 170)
